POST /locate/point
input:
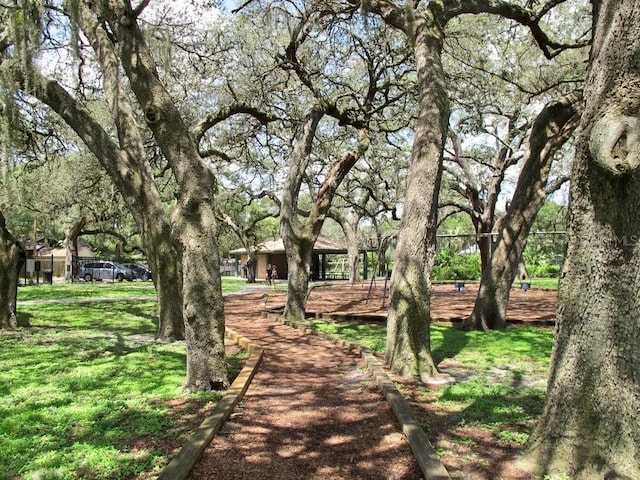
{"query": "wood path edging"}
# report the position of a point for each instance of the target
(181, 464)
(429, 462)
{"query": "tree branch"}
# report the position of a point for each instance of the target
(523, 16)
(199, 130)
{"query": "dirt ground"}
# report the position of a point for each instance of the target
(447, 303)
(312, 412)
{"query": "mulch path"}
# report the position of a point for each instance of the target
(312, 411)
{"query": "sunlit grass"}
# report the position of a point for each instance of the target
(371, 336)
(549, 283)
(525, 349)
(85, 392)
(60, 291)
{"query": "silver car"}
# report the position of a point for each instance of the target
(113, 271)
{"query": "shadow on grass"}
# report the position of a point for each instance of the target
(103, 444)
(450, 342)
(23, 319)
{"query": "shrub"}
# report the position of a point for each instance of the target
(448, 266)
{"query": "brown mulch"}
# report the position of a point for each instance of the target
(447, 304)
(313, 412)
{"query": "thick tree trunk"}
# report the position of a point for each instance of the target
(353, 255)
(164, 257)
(297, 239)
(298, 263)
(408, 343)
(71, 241)
(194, 216)
(299, 235)
(202, 292)
(12, 257)
(484, 241)
(590, 425)
(552, 128)
(252, 265)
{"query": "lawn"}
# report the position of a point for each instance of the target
(85, 392)
(61, 291)
(546, 283)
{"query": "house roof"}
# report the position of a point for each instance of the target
(322, 245)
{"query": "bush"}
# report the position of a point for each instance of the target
(448, 266)
(543, 266)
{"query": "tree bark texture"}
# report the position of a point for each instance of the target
(552, 128)
(408, 342)
(297, 241)
(202, 289)
(299, 257)
(124, 162)
(12, 258)
(193, 219)
(71, 241)
(165, 260)
(300, 234)
(589, 428)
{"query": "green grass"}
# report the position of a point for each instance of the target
(549, 283)
(372, 336)
(502, 374)
(85, 391)
(520, 350)
(61, 291)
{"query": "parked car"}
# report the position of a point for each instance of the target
(106, 271)
(141, 272)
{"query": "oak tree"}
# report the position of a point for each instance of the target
(589, 426)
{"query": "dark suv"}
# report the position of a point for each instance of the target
(106, 271)
(141, 272)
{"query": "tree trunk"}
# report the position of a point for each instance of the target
(349, 227)
(252, 265)
(552, 128)
(408, 343)
(298, 263)
(128, 171)
(194, 216)
(353, 254)
(589, 428)
(298, 241)
(202, 289)
(484, 241)
(12, 258)
(164, 257)
(71, 241)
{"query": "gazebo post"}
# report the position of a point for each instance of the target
(324, 267)
(365, 269)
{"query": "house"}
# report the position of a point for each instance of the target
(273, 253)
(54, 258)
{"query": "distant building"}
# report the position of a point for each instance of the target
(273, 253)
(54, 258)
